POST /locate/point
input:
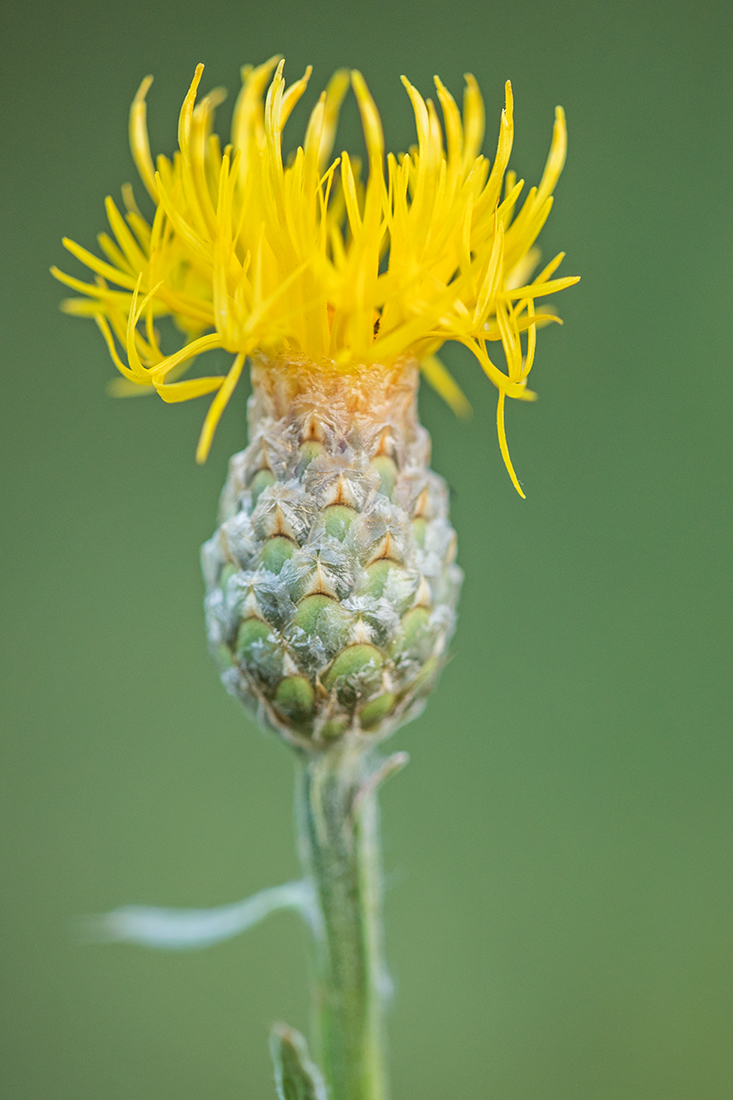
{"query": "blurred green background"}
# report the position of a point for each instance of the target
(559, 850)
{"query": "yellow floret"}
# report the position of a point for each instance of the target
(305, 259)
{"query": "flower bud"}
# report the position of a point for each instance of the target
(331, 580)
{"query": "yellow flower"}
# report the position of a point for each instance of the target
(308, 260)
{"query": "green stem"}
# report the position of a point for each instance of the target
(339, 839)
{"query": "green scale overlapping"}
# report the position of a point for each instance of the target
(331, 580)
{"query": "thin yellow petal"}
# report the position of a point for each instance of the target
(293, 94)
(125, 387)
(445, 384)
(173, 392)
(556, 158)
(503, 444)
(204, 343)
(139, 141)
(102, 268)
(474, 121)
(216, 408)
(186, 115)
(335, 92)
(109, 341)
(370, 120)
(536, 290)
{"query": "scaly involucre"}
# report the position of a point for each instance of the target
(308, 260)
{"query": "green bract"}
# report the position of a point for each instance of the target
(331, 581)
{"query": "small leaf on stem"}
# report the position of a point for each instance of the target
(296, 1076)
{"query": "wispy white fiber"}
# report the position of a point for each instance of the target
(184, 929)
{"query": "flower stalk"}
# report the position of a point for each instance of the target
(339, 838)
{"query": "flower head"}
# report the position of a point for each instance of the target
(316, 260)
